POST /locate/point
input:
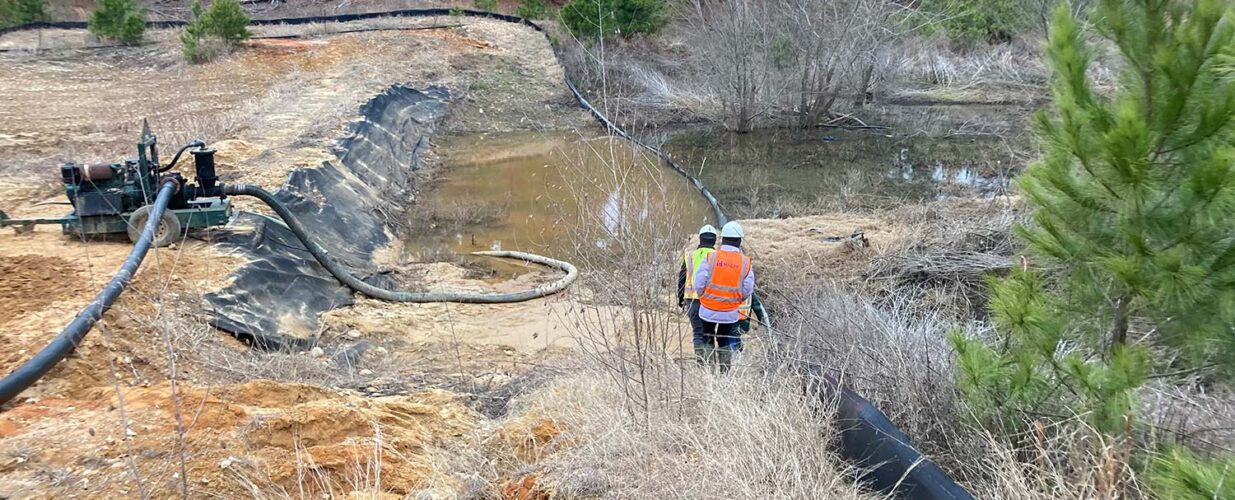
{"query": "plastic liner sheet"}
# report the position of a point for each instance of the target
(274, 301)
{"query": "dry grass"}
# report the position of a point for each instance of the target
(642, 420)
(1065, 461)
(926, 68)
(750, 434)
(941, 266)
(897, 356)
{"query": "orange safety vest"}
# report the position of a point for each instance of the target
(744, 310)
(693, 259)
(723, 293)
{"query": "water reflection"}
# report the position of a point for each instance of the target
(551, 194)
(779, 173)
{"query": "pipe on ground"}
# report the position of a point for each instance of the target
(68, 339)
(347, 278)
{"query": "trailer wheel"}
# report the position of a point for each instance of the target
(166, 234)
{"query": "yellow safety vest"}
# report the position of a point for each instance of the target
(744, 309)
(693, 259)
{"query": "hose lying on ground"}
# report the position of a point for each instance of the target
(347, 278)
(856, 444)
(30, 372)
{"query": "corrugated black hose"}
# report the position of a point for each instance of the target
(198, 143)
(347, 278)
(72, 335)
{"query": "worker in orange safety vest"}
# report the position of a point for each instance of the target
(723, 283)
(688, 298)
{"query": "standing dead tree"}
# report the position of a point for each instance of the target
(731, 44)
(760, 58)
(836, 45)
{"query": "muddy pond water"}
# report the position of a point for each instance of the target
(784, 173)
(555, 194)
(562, 194)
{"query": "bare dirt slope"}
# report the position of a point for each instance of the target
(100, 419)
(276, 105)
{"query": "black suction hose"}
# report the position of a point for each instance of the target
(323, 257)
(197, 143)
(72, 335)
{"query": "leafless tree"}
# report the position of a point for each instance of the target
(836, 46)
(731, 48)
(796, 57)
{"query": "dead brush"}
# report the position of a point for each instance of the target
(898, 358)
(750, 434)
(1065, 460)
(642, 420)
(934, 63)
(943, 263)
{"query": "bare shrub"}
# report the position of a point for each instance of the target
(942, 265)
(732, 51)
(795, 57)
(899, 361)
(751, 434)
(836, 51)
(629, 241)
(896, 355)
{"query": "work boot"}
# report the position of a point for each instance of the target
(701, 354)
(724, 358)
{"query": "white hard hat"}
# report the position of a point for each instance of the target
(731, 230)
(707, 229)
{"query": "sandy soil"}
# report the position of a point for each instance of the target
(277, 105)
(236, 441)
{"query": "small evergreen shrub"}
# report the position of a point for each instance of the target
(15, 12)
(214, 31)
(120, 20)
(975, 21)
(1179, 474)
(531, 9)
(605, 18)
(1130, 240)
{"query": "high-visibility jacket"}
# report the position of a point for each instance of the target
(692, 259)
(744, 309)
(723, 291)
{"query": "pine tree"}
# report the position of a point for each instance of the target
(119, 20)
(215, 30)
(191, 37)
(1135, 195)
(14, 12)
(1131, 234)
(227, 20)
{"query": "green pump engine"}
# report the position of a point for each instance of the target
(116, 198)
